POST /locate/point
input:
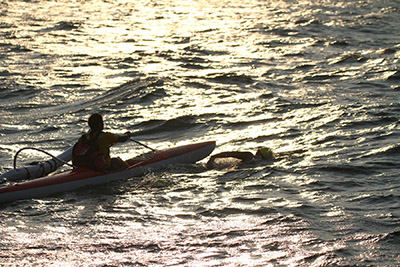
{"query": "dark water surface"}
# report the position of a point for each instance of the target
(316, 81)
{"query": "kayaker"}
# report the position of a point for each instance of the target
(93, 148)
(264, 153)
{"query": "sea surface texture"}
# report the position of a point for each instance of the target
(317, 81)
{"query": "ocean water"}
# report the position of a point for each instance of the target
(317, 81)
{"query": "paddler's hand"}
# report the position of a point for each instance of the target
(125, 136)
(129, 134)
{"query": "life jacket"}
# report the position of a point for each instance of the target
(86, 154)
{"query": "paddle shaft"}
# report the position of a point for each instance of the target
(146, 146)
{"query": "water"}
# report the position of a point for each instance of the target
(316, 81)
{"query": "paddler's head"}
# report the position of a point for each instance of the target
(265, 153)
(96, 122)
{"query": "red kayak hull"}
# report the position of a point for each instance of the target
(80, 177)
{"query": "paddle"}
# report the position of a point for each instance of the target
(146, 146)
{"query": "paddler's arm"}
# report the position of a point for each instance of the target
(124, 137)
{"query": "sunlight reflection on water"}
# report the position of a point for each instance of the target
(305, 79)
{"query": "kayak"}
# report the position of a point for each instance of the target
(37, 170)
(81, 177)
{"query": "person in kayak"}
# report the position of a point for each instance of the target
(93, 149)
(244, 157)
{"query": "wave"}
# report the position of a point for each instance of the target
(230, 78)
(339, 43)
(392, 238)
(5, 25)
(284, 106)
(248, 122)
(10, 89)
(349, 58)
(228, 211)
(386, 200)
(197, 49)
(282, 219)
(198, 85)
(368, 123)
(157, 128)
(392, 150)
(385, 152)
(25, 111)
(345, 169)
(11, 48)
(389, 50)
(395, 76)
(123, 91)
(62, 26)
(192, 66)
(322, 77)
